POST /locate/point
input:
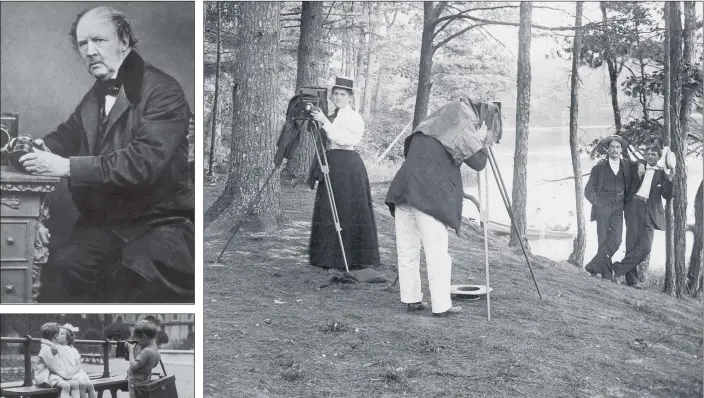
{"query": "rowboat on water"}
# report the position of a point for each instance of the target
(532, 232)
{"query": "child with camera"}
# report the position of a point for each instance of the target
(143, 356)
(50, 370)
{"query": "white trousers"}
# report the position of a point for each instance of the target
(413, 229)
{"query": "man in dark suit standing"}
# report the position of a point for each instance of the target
(125, 153)
(644, 213)
(610, 185)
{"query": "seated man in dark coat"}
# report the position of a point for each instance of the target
(125, 153)
(425, 196)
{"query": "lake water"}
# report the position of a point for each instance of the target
(549, 160)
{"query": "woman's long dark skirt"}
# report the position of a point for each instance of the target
(350, 185)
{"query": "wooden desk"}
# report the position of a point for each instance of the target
(22, 213)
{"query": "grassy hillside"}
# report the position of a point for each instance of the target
(271, 330)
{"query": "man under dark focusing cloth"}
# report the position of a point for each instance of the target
(125, 153)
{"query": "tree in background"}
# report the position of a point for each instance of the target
(214, 115)
(255, 117)
(694, 275)
(520, 159)
(580, 241)
(676, 283)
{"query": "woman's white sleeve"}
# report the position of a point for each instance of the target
(347, 130)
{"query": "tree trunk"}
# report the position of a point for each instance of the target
(372, 67)
(578, 245)
(215, 100)
(669, 263)
(311, 72)
(613, 73)
(520, 157)
(679, 147)
(254, 117)
(351, 55)
(361, 50)
(643, 95)
(690, 18)
(425, 66)
(695, 260)
(377, 88)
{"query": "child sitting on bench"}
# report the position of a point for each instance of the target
(48, 372)
(70, 360)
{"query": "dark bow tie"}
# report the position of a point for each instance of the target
(109, 87)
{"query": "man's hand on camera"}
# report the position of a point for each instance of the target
(319, 116)
(46, 164)
(39, 144)
(130, 346)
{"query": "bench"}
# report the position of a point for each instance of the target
(92, 357)
(101, 381)
(101, 384)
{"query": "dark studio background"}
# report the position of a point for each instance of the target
(42, 77)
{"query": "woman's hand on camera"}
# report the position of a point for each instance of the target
(319, 116)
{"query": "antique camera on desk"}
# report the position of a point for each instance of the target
(13, 145)
(9, 129)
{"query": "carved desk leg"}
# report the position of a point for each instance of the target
(41, 248)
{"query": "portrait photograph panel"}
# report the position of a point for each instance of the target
(98, 128)
(90, 355)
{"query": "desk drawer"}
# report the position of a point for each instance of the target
(19, 204)
(13, 285)
(16, 240)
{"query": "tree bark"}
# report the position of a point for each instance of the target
(578, 245)
(520, 158)
(695, 260)
(690, 19)
(215, 100)
(254, 117)
(311, 72)
(377, 89)
(372, 67)
(669, 263)
(679, 147)
(425, 66)
(613, 73)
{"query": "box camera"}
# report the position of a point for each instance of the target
(121, 350)
(312, 98)
(16, 148)
(9, 129)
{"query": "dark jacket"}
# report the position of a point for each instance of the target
(430, 180)
(135, 178)
(660, 188)
(595, 183)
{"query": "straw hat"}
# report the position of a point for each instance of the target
(606, 141)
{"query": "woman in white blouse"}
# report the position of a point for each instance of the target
(350, 185)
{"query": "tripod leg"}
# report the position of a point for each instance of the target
(484, 217)
(507, 203)
(333, 207)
